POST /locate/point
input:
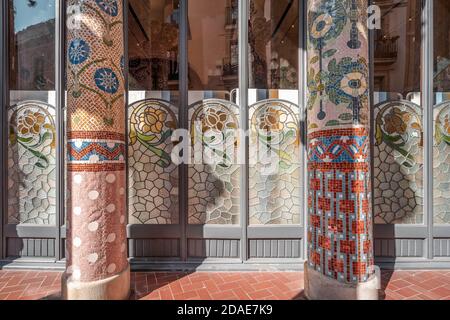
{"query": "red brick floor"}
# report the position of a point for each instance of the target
(400, 285)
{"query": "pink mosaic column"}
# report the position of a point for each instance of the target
(340, 254)
(97, 266)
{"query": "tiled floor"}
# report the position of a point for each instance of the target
(399, 285)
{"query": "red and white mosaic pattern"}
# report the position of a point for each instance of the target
(340, 242)
(399, 285)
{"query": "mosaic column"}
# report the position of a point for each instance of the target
(97, 266)
(340, 254)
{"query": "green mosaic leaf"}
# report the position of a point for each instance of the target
(329, 53)
(346, 116)
(24, 140)
(145, 138)
(332, 123)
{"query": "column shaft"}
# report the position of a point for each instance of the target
(340, 250)
(97, 266)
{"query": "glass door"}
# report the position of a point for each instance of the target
(276, 164)
(33, 112)
(201, 66)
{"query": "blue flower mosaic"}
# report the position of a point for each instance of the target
(78, 51)
(326, 23)
(348, 83)
(347, 80)
(108, 6)
(106, 80)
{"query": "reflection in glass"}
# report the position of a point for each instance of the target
(397, 51)
(275, 188)
(213, 82)
(32, 45)
(273, 44)
(441, 114)
(212, 45)
(152, 113)
(398, 141)
(31, 115)
(153, 45)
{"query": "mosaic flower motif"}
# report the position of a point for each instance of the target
(78, 51)
(106, 80)
(275, 126)
(442, 126)
(152, 120)
(108, 6)
(272, 120)
(447, 124)
(354, 84)
(315, 83)
(216, 120)
(151, 124)
(398, 125)
(212, 125)
(326, 23)
(396, 121)
(347, 83)
(33, 130)
(30, 122)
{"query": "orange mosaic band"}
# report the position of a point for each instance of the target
(91, 135)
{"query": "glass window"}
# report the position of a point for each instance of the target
(153, 34)
(441, 114)
(31, 48)
(273, 44)
(274, 190)
(398, 145)
(213, 82)
(213, 47)
(31, 115)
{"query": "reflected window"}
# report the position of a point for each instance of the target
(273, 44)
(31, 114)
(213, 189)
(441, 113)
(32, 45)
(153, 45)
(213, 45)
(153, 33)
(274, 190)
(398, 115)
(397, 50)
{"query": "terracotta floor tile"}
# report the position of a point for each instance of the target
(407, 292)
(399, 285)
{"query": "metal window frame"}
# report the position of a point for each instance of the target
(427, 100)
(303, 101)
(243, 16)
(60, 34)
(52, 231)
(3, 121)
(183, 88)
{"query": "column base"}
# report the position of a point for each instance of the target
(321, 287)
(114, 288)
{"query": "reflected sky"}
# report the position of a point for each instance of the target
(31, 12)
